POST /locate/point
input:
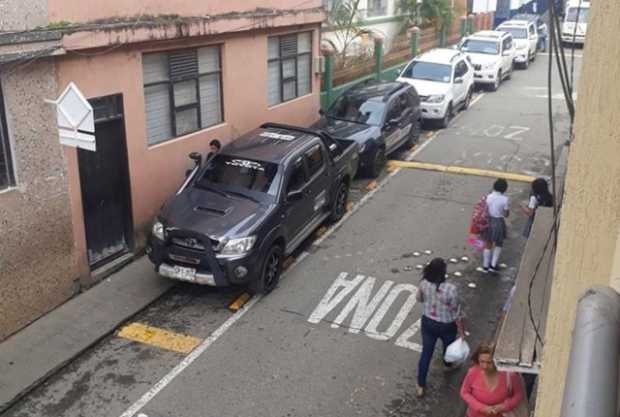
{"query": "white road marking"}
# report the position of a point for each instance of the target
(372, 327)
(331, 299)
(189, 359)
(403, 339)
(168, 378)
(200, 349)
(362, 304)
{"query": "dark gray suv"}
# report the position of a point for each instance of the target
(380, 116)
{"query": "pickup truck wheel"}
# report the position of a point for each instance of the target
(414, 133)
(378, 162)
(339, 208)
(270, 272)
(526, 64)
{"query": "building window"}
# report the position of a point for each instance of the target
(376, 8)
(182, 92)
(7, 177)
(289, 67)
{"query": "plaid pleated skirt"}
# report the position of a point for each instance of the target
(496, 232)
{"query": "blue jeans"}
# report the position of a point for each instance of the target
(431, 331)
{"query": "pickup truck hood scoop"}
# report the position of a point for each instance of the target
(206, 212)
(216, 211)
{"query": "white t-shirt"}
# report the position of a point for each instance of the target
(533, 203)
(497, 204)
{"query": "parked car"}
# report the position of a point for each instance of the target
(380, 116)
(541, 28)
(444, 80)
(239, 214)
(492, 54)
(577, 13)
(525, 39)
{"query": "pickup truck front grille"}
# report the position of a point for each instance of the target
(477, 67)
(423, 98)
(193, 243)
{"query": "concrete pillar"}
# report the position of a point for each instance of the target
(328, 74)
(463, 26)
(378, 39)
(414, 37)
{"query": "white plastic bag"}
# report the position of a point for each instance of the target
(457, 351)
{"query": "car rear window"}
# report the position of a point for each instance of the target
(517, 33)
(480, 47)
(358, 109)
(420, 70)
(240, 173)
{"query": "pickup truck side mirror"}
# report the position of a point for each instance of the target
(196, 157)
(321, 112)
(294, 195)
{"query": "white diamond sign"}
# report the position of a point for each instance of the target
(76, 120)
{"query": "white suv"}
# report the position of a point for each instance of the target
(444, 80)
(525, 38)
(492, 54)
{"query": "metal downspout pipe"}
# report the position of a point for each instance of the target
(591, 388)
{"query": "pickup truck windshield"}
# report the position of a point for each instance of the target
(517, 33)
(358, 110)
(429, 71)
(571, 14)
(480, 47)
(239, 173)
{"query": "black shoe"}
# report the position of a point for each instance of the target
(494, 270)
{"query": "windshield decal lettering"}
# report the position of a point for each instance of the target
(277, 136)
(243, 163)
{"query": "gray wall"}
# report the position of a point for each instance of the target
(22, 14)
(37, 262)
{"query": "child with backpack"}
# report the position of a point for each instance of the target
(488, 222)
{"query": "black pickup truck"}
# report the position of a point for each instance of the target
(239, 214)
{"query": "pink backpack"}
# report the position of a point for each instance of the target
(480, 217)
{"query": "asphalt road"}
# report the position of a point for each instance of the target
(339, 336)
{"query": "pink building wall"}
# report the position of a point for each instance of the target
(155, 172)
(85, 11)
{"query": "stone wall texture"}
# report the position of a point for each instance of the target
(37, 262)
(22, 14)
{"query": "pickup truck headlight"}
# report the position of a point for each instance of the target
(158, 230)
(488, 66)
(435, 98)
(236, 247)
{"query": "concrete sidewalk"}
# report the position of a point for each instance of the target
(36, 352)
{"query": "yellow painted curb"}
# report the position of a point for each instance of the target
(160, 338)
(239, 302)
(462, 170)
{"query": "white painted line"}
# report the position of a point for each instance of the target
(189, 359)
(219, 332)
(200, 349)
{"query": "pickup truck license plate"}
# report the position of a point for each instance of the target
(185, 274)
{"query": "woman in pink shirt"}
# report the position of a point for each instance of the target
(487, 391)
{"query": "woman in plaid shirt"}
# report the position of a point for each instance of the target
(441, 315)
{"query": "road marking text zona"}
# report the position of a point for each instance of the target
(369, 308)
